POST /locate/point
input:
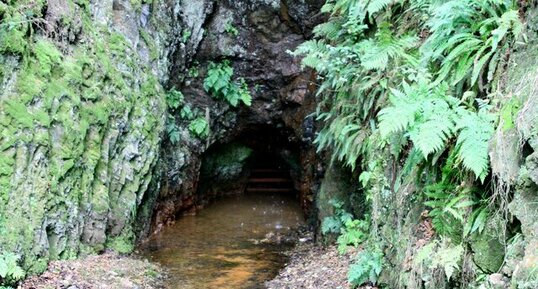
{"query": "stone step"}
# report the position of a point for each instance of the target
(269, 190)
(268, 170)
(269, 180)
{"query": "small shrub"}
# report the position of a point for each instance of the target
(368, 267)
(220, 85)
(230, 29)
(10, 271)
(199, 127)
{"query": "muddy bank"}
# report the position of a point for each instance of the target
(109, 270)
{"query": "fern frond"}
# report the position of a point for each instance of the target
(314, 52)
(476, 130)
(376, 52)
(432, 134)
(399, 116)
(330, 30)
(377, 5)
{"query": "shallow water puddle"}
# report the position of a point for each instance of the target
(226, 245)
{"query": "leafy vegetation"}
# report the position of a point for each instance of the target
(411, 85)
(351, 232)
(230, 29)
(220, 85)
(199, 127)
(10, 271)
(367, 267)
(174, 135)
(333, 224)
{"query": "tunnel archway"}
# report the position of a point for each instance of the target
(272, 125)
(260, 159)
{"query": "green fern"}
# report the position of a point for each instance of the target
(374, 6)
(199, 127)
(10, 271)
(468, 38)
(174, 99)
(431, 118)
(367, 267)
(376, 52)
(329, 30)
(352, 234)
(172, 130)
(220, 85)
(475, 132)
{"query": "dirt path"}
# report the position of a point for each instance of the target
(99, 272)
(310, 267)
(314, 267)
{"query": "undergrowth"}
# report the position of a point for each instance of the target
(412, 84)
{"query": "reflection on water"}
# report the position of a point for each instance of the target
(222, 246)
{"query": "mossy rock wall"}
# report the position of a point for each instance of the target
(82, 113)
(522, 85)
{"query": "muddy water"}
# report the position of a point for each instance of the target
(226, 244)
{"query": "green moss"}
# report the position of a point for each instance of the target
(17, 19)
(47, 56)
(75, 95)
(509, 113)
(488, 247)
(12, 41)
(63, 103)
(19, 113)
(227, 161)
(122, 244)
(153, 53)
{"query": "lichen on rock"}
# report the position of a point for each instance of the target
(82, 118)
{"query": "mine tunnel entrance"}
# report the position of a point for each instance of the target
(259, 160)
(249, 213)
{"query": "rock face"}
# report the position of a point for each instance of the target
(84, 158)
(255, 37)
(524, 205)
(81, 107)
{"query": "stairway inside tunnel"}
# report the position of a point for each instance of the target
(269, 177)
(262, 159)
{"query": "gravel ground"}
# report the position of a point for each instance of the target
(99, 272)
(310, 267)
(314, 267)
